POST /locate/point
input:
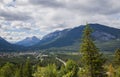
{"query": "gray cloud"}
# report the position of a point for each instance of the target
(0, 26)
(11, 38)
(26, 29)
(1, 1)
(39, 17)
(14, 16)
(47, 3)
(84, 7)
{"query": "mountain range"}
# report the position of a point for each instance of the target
(5, 46)
(28, 41)
(106, 38)
(70, 37)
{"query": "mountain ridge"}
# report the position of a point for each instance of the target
(28, 41)
(101, 33)
(5, 46)
(60, 40)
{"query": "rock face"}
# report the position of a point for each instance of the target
(103, 36)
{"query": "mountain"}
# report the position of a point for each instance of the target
(106, 38)
(69, 37)
(5, 46)
(49, 38)
(29, 41)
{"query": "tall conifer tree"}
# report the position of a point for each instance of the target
(27, 70)
(91, 58)
(117, 62)
(117, 56)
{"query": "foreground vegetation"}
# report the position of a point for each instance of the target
(89, 63)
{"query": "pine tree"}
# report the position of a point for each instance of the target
(117, 57)
(27, 69)
(7, 70)
(118, 72)
(49, 71)
(117, 62)
(111, 71)
(70, 70)
(91, 58)
(18, 72)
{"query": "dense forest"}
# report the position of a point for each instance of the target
(90, 63)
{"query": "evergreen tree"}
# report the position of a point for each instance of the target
(27, 69)
(49, 71)
(7, 70)
(70, 70)
(91, 58)
(62, 71)
(117, 72)
(117, 57)
(111, 71)
(18, 72)
(117, 62)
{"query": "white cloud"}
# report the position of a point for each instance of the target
(39, 17)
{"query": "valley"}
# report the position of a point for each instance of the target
(59, 38)
(63, 51)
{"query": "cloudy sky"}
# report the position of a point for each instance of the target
(26, 18)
